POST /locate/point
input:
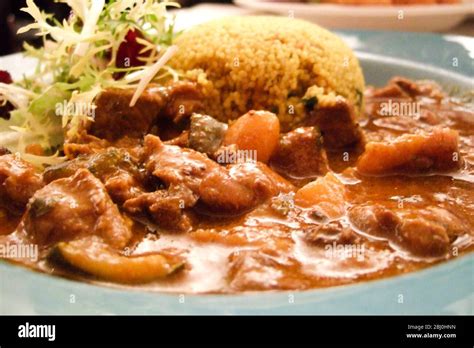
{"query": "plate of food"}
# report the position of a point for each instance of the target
(409, 15)
(246, 166)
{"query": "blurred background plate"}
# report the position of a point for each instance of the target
(447, 288)
(400, 18)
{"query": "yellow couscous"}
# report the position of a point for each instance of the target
(265, 62)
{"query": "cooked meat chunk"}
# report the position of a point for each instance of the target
(241, 187)
(264, 270)
(416, 89)
(123, 185)
(92, 256)
(250, 174)
(114, 167)
(86, 144)
(223, 193)
(71, 208)
(234, 189)
(423, 237)
(390, 91)
(167, 208)
(375, 219)
(412, 153)
(182, 100)
(114, 118)
(83, 144)
(429, 232)
(331, 232)
(300, 156)
(19, 180)
(337, 123)
(206, 134)
(325, 195)
(181, 140)
(175, 165)
(454, 226)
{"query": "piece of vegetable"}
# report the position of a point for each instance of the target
(325, 193)
(92, 256)
(206, 133)
(100, 164)
(256, 130)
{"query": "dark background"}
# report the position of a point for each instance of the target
(11, 19)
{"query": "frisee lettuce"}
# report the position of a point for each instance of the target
(76, 62)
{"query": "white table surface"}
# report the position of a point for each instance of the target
(205, 12)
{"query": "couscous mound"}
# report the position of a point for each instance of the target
(265, 62)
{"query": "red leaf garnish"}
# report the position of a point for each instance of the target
(128, 53)
(5, 77)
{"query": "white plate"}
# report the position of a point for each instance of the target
(401, 18)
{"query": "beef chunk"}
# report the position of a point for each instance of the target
(233, 189)
(182, 100)
(423, 237)
(167, 208)
(241, 187)
(114, 167)
(71, 208)
(19, 180)
(454, 226)
(84, 144)
(417, 89)
(114, 118)
(264, 270)
(375, 219)
(337, 123)
(412, 153)
(175, 165)
(389, 91)
(300, 156)
(331, 232)
(428, 233)
(181, 140)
